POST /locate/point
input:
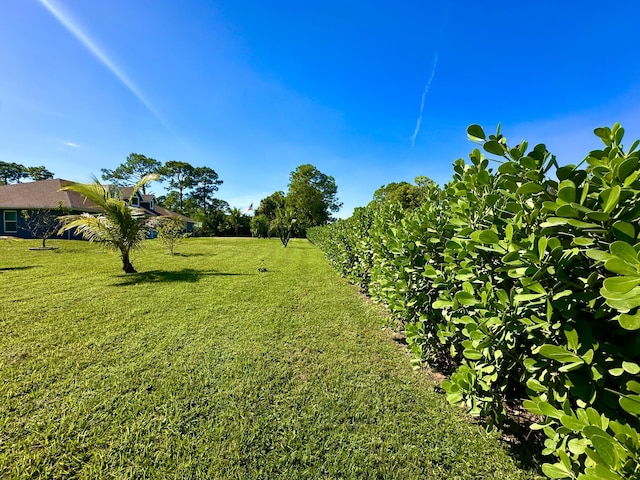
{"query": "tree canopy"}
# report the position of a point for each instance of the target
(130, 172)
(311, 197)
(409, 196)
(14, 172)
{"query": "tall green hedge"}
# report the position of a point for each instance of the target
(525, 281)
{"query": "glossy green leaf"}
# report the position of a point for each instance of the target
(624, 231)
(631, 404)
(529, 188)
(602, 443)
(572, 338)
(466, 298)
(582, 242)
(626, 168)
(559, 354)
(472, 354)
(507, 168)
(493, 147)
(631, 367)
(624, 304)
(629, 322)
(567, 191)
(476, 133)
(610, 197)
(565, 172)
(621, 284)
(624, 251)
(555, 470)
(579, 224)
(577, 446)
(572, 423)
(567, 211)
(536, 386)
(619, 266)
(483, 177)
(485, 236)
(599, 255)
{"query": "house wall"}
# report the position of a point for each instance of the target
(21, 230)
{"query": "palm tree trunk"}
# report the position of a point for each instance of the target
(127, 266)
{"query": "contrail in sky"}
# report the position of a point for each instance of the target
(93, 48)
(433, 72)
(424, 95)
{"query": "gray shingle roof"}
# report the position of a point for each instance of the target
(43, 194)
(47, 194)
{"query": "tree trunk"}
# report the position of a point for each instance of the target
(127, 266)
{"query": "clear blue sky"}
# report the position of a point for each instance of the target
(255, 88)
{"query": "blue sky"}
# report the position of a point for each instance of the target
(369, 92)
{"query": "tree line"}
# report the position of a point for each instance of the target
(310, 200)
(191, 191)
(11, 172)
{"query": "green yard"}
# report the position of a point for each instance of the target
(201, 366)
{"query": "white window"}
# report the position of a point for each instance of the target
(10, 218)
(152, 204)
(135, 201)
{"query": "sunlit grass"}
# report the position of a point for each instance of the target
(201, 366)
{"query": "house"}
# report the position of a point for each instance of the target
(46, 194)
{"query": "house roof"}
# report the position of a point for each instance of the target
(168, 213)
(43, 194)
(47, 194)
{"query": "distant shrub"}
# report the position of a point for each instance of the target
(171, 231)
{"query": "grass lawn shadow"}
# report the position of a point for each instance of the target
(188, 275)
(8, 269)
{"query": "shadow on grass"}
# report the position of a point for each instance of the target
(187, 275)
(8, 269)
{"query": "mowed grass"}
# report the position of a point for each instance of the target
(201, 366)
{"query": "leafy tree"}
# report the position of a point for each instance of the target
(130, 172)
(12, 172)
(408, 195)
(171, 230)
(119, 226)
(43, 223)
(312, 197)
(205, 183)
(180, 176)
(215, 222)
(269, 205)
(236, 219)
(38, 173)
(260, 226)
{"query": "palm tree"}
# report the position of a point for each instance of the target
(119, 226)
(235, 219)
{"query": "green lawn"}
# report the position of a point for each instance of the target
(201, 366)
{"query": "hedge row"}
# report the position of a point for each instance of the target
(525, 281)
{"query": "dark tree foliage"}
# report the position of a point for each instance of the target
(205, 184)
(269, 205)
(407, 195)
(14, 172)
(260, 226)
(132, 171)
(311, 197)
(180, 176)
(39, 173)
